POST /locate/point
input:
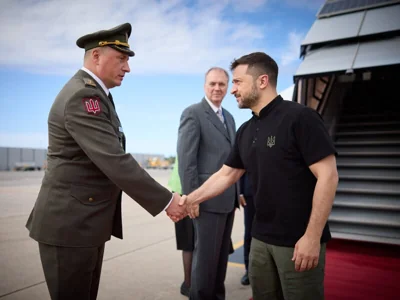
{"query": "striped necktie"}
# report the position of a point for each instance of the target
(221, 116)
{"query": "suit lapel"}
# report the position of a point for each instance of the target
(213, 118)
(230, 127)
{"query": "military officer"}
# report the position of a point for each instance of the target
(79, 204)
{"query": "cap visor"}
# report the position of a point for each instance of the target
(123, 50)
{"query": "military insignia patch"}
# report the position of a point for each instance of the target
(92, 105)
(89, 81)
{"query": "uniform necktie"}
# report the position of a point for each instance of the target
(221, 116)
(111, 99)
(122, 135)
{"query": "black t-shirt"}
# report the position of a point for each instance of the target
(276, 148)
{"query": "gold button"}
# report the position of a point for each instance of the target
(91, 199)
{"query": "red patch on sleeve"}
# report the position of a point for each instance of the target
(92, 105)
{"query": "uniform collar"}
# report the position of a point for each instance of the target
(98, 80)
(269, 107)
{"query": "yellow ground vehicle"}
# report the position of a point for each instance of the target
(157, 163)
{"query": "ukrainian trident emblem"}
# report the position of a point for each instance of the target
(271, 141)
(92, 105)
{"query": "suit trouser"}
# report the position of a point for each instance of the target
(72, 273)
(210, 255)
(249, 212)
(273, 276)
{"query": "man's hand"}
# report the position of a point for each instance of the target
(192, 209)
(242, 200)
(175, 210)
(306, 253)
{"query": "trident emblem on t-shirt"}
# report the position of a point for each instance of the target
(271, 141)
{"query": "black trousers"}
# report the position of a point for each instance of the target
(249, 211)
(72, 273)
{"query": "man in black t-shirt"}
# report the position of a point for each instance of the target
(290, 160)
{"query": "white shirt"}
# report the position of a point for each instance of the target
(98, 80)
(214, 108)
(101, 83)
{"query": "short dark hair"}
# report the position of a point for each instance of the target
(258, 63)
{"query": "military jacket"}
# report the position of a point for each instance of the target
(79, 202)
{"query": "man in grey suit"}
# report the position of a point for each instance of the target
(205, 138)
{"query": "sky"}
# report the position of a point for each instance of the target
(175, 42)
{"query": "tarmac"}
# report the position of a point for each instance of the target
(144, 265)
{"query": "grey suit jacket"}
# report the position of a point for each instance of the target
(203, 146)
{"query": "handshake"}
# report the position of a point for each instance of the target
(181, 206)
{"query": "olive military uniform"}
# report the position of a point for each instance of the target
(79, 204)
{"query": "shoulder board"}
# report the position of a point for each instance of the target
(89, 81)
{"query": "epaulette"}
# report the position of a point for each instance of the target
(89, 81)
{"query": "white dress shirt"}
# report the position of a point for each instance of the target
(98, 80)
(214, 108)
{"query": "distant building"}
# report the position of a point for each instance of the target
(22, 158)
(28, 158)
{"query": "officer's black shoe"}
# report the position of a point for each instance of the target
(185, 290)
(245, 279)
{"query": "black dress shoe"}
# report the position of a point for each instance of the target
(245, 279)
(185, 290)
